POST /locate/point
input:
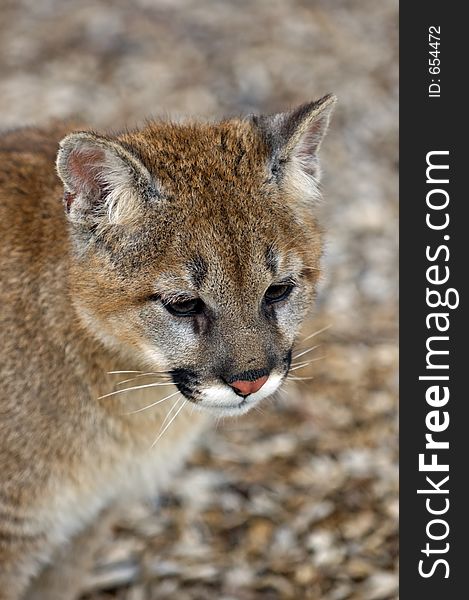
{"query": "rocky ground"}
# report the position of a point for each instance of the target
(300, 500)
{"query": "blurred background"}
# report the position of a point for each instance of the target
(300, 500)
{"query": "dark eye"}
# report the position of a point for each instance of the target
(185, 308)
(278, 292)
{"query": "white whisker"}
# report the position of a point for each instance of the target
(301, 366)
(172, 419)
(307, 362)
(141, 372)
(137, 377)
(136, 387)
(132, 412)
(122, 372)
(306, 351)
(308, 337)
(176, 402)
(302, 363)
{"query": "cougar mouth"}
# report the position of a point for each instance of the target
(219, 397)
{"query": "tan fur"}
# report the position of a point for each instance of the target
(213, 211)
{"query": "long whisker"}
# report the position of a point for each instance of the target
(307, 362)
(132, 412)
(295, 378)
(306, 351)
(172, 419)
(136, 377)
(122, 372)
(142, 372)
(308, 337)
(176, 402)
(302, 363)
(318, 358)
(301, 366)
(136, 387)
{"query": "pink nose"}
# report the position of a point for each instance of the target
(248, 387)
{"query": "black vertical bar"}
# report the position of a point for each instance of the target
(433, 117)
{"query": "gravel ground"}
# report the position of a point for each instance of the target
(300, 500)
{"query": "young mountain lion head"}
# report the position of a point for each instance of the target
(196, 249)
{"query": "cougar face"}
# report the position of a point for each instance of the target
(225, 317)
(196, 249)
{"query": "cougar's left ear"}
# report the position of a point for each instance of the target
(293, 139)
(105, 184)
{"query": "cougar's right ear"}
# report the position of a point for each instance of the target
(105, 184)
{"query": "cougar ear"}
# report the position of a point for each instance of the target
(104, 182)
(293, 139)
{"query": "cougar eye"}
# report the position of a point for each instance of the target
(185, 308)
(278, 292)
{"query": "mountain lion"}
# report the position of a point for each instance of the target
(185, 258)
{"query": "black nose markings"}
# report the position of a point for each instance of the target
(186, 381)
